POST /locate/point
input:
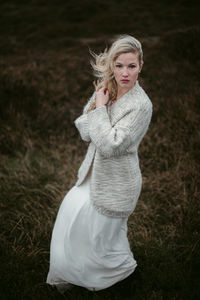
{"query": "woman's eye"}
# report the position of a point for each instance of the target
(118, 66)
(132, 66)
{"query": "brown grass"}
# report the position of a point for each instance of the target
(43, 89)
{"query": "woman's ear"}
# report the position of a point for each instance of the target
(141, 65)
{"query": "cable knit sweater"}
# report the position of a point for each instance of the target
(114, 133)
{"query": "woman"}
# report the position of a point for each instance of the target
(89, 244)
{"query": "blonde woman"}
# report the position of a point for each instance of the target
(89, 245)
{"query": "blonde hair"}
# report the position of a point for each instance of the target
(103, 64)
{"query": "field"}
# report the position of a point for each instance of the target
(45, 79)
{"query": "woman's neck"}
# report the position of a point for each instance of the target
(121, 92)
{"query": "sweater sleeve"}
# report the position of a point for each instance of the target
(81, 122)
(92, 99)
(129, 131)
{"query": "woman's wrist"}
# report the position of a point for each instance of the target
(99, 105)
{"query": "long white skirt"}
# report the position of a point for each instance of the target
(88, 249)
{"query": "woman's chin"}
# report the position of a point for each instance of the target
(126, 86)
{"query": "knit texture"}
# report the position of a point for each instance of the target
(81, 123)
(115, 133)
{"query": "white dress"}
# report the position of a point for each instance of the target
(88, 249)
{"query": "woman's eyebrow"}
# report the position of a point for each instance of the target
(120, 63)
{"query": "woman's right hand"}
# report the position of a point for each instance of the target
(102, 97)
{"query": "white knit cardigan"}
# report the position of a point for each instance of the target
(114, 133)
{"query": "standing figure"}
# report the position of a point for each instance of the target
(89, 245)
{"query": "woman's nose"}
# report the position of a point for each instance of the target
(125, 72)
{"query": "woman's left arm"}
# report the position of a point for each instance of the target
(81, 122)
(114, 141)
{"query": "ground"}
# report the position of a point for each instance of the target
(45, 80)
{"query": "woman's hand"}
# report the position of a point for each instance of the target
(102, 97)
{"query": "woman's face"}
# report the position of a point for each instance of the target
(126, 69)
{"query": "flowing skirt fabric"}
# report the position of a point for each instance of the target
(88, 249)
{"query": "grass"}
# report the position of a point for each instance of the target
(45, 80)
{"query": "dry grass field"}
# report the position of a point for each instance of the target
(45, 79)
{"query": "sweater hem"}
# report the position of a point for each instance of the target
(112, 213)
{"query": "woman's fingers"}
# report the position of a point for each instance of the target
(102, 90)
(106, 92)
(102, 96)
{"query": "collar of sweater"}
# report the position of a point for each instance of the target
(124, 104)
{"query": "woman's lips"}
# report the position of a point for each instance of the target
(124, 80)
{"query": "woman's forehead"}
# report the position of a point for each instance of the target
(127, 56)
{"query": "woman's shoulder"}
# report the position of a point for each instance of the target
(139, 100)
(143, 96)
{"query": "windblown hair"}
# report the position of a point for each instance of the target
(103, 64)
